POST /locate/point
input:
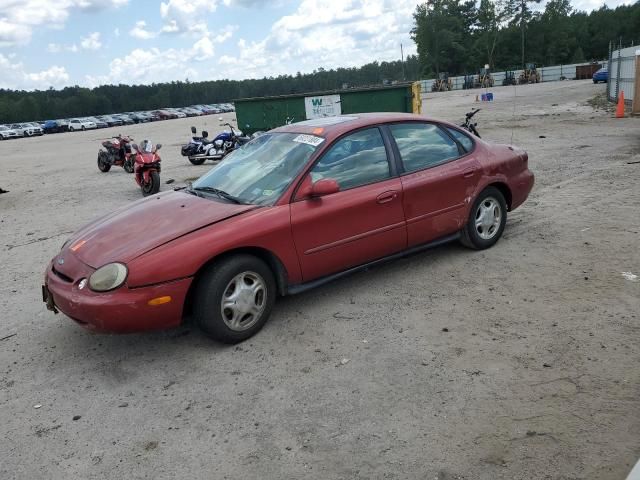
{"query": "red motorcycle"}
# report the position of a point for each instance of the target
(118, 152)
(147, 167)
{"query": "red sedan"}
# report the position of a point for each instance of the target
(294, 208)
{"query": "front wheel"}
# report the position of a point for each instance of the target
(103, 164)
(486, 221)
(153, 185)
(234, 298)
(196, 161)
(128, 165)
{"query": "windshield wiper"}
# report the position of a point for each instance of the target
(220, 193)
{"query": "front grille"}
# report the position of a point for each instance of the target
(62, 275)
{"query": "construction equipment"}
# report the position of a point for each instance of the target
(443, 83)
(509, 78)
(485, 80)
(529, 74)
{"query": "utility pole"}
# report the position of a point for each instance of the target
(522, 8)
(402, 62)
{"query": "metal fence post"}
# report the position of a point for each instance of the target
(619, 67)
(609, 72)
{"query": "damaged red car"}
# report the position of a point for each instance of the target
(294, 208)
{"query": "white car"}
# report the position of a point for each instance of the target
(27, 129)
(7, 133)
(177, 112)
(81, 124)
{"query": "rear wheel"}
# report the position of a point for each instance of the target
(487, 219)
(234, 298)
(153, 186)
(103, 164)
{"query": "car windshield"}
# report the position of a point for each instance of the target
(259, 171)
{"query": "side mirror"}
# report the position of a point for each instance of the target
(158, 146)
(323, 187)
(193, 130)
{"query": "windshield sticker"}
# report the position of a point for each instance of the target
(268, 193)
(309, 140)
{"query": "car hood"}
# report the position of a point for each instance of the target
(144, 225)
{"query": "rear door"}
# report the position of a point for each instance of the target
(438, 178)
(362, 222)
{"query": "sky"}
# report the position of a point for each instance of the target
(46, 43)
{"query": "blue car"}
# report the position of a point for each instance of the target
(601, 75)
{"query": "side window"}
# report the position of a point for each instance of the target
(423, 145)
(354, 160)
(464, 140)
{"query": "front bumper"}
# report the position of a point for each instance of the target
(123, 310)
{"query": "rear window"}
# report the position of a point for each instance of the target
(463, 138)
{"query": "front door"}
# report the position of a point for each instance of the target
(362, 222)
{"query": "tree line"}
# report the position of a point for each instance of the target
(460, 37)
(17, 106)
(455, 36)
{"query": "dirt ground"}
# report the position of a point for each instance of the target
(519, 362)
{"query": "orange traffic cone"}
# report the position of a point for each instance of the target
(620, 109)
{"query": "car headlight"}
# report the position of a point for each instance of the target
(109, 277)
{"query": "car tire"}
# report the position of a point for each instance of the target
(487, 219)
(234, 298)
(82, 128)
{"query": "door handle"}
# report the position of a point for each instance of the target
(470, 172)
(387, 197)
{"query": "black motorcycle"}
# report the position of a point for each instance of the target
(469, 125)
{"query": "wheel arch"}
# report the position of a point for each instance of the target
(504, 189)
(271, 259)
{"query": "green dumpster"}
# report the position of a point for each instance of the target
(265, 113)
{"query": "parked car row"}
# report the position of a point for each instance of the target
(29, 129)
(17, 130)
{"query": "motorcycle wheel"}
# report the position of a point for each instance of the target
(103, 165)
(153, 186)
(128, 166)
(196, 161)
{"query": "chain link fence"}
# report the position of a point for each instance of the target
(547, 74)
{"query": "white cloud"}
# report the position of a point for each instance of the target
(203, 49)
(140, 31)
(92, 42)
(116, 32)
(328, 34)
(180, 15)
(15, 76)
(57, 48)
(144, 66)
(19, 18)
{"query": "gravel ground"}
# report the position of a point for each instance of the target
(519, 362)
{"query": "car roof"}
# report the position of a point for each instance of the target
(330, 127)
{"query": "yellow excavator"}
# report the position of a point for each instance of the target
(443, 83)
(529, 74)
(485, 79)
